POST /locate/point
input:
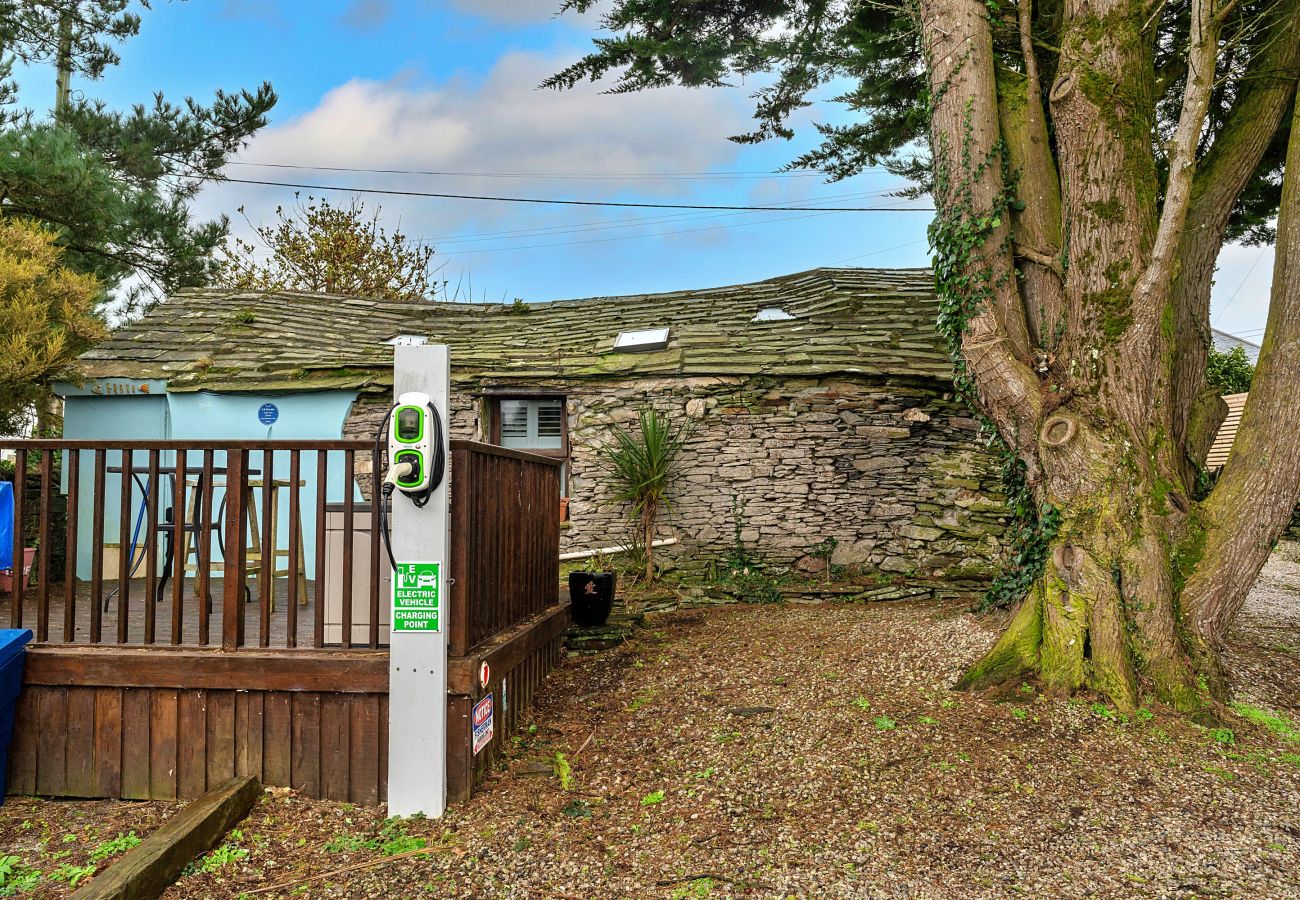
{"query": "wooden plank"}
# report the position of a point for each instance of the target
(506, 651)
(70, 548)
(44, 543)
(51, 762)
(460, 758)
(79, 750)
(266, 566)
(349, 466)
(205, 549)
(335, 747)
(383, 747)
(233, 573)
(179, 543)
(23, 750)
(191, 743)
(296, 561)
(110, 716)
(318, 591)
(305, 746)
(97, 551)
(163, 759)
(277, 738)
(363, 741)
(150, 868)
(125, 488)
(248, 732)
(136, 753)
(356, 671)
(221, 736)
(462, 502)
(151, 551)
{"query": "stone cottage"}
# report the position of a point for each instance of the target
(820, 403)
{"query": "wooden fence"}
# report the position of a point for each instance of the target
(245, 628)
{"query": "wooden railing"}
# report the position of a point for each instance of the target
(505, 540)
(262, 544)
(204, 517)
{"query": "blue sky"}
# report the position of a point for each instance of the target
(450, 85)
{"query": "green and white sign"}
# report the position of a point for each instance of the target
(417, 597)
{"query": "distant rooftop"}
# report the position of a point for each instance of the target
(1224, 342)
(841, 321)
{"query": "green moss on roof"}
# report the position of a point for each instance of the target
(863, 321)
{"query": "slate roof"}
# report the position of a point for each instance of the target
(863, 321)
(1224, 343)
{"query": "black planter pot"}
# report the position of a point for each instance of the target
(592, 594)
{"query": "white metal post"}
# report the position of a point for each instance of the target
(417, 660)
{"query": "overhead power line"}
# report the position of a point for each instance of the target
(557, 202)
(565, 176)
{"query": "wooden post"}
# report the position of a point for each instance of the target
(232, 576)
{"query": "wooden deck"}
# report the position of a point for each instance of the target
(138, 609)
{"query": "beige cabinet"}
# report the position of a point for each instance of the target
(334, 587)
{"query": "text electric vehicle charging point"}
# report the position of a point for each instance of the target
(417, 658)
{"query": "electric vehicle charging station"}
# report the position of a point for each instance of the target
(416, 484)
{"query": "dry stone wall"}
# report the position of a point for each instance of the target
(894, 470)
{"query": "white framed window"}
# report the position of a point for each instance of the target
(531, 423)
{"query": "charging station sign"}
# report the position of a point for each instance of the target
(417, 597)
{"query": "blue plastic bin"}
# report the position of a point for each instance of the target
(13, 642)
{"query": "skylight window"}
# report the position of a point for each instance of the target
(644, 341)
(772, 314)
(407, 340)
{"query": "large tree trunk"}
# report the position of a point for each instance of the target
(1077, 355)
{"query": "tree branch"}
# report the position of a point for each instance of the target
(1152, 289)
(1260, 483)
(1221, 176)
(968, 152)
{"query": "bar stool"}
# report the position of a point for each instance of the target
(275, 554)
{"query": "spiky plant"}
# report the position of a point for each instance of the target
(643, 463)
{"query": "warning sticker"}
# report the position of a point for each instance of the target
(482, 720)
(417, 597)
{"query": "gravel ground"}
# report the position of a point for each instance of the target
(810, 751)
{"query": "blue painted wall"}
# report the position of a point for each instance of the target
(205, 416)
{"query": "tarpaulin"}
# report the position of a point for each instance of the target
(6, 525)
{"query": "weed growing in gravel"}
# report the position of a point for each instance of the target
(1223, 736)
(947, 703)
(861, 703)
(563, 771)
(641, 700)
(927, 720)
(884, 723)
(393, 838)
(221, 857)
(1274, 722)
(1102, 711)
(1222, 773)
(654, 798)
(1019, 713)
(578, 809)
(700, 887)
(1292, 758)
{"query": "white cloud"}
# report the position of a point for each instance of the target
(367, 15)
(511, 12)
(500, 123)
